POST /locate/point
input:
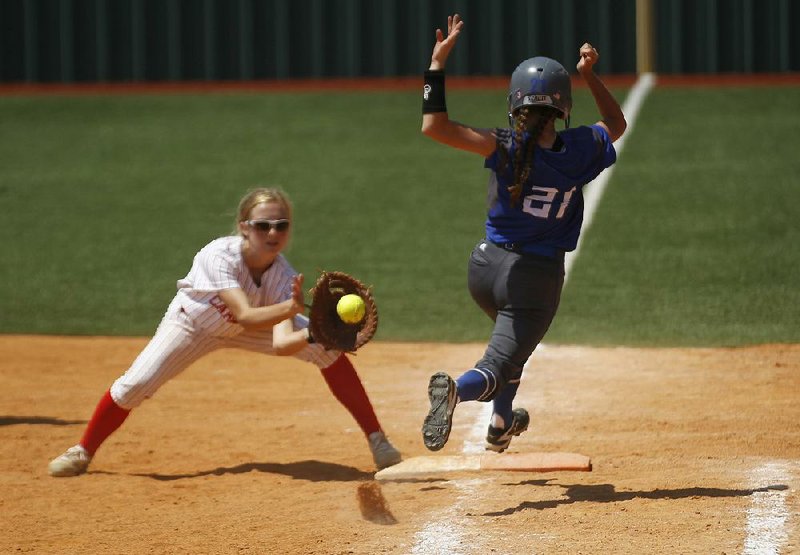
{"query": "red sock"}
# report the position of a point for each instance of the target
(107, 417)
(346, 386)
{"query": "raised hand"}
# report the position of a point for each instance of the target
(588, 57)
(444, 44)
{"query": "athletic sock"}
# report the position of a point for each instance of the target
(107, 417)
(476, 384)
(502, 404)
(346, 386)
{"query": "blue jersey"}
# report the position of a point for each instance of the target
(549, 213)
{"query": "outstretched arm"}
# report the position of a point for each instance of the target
(437, 125)
(612, 117)
(261, 317)
(286, 340)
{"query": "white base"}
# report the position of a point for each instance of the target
(432, 465)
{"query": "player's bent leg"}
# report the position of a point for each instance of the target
(504, 422)
(516, 334)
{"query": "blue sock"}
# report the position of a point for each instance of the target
(476, 385)
(503, 403)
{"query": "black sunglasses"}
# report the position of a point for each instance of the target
(266, 225)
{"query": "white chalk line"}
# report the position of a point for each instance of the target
(594, 192)
(446, 533)
(767, 531)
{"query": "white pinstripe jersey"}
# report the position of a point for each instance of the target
(219, 265)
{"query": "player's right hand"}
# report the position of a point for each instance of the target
(444, 44)
(298, 298)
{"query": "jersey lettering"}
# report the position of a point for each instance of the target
(223, 309)
(564, 203)
(540, 203)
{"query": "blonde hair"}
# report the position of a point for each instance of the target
(259, 196)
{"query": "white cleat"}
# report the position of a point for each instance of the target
(72, 462)
(383, 453)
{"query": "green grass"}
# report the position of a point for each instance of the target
(695, 241)
(105, 201)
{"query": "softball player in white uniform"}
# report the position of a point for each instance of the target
(240, 293)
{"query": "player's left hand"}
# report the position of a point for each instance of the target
(588, 57)
(324, 323)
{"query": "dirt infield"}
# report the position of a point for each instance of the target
(694, 451)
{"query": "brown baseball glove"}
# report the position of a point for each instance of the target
(325, 325)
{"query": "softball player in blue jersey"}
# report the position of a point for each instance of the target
(535, 211)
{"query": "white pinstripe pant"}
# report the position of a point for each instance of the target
(176, 345)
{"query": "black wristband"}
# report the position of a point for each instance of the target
(433, 93)
(310, 338)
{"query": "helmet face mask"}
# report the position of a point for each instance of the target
(540, 81)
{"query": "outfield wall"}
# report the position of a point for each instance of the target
(70, 41)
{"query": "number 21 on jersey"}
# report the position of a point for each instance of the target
(541, 203)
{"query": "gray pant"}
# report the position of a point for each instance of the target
(520, 292)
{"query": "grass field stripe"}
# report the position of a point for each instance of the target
(767, 515)
(594, 191)
(443, 534)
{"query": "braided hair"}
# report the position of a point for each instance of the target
(533, 120)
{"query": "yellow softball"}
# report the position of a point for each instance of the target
(351, 309)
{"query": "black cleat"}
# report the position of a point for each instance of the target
(497, 439)
(437, 425)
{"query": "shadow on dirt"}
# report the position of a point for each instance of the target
(312, 471)
(48, 420)
(606, 493)
(373, 505)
